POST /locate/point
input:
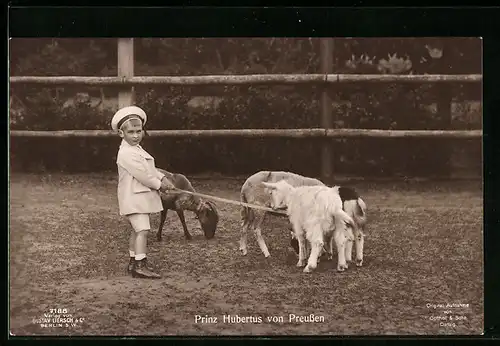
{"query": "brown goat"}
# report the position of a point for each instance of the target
(206, 211)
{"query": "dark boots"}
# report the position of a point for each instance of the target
(140, 269)
(131, 265)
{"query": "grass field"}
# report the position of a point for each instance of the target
(69, 250)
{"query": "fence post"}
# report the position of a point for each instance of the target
(126, 70)
(326, 53)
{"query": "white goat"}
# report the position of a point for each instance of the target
(316, 214)
(252, 191)
(355, 207)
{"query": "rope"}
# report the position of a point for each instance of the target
(225, 200)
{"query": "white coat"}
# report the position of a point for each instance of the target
(138, 181)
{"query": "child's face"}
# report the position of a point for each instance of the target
(132, 132)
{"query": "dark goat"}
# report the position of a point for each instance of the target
(206, 211)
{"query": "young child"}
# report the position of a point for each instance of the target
(139, 183)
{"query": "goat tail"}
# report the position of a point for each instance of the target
(360, 214)
(361, 207)
(342, 216)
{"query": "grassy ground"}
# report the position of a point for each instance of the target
(69, 250)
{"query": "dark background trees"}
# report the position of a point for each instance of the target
(382, 106)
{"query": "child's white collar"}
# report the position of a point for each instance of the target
(126, 144)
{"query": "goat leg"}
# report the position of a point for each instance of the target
(243, 238)
(259, 219)
(348, 247)
(302, 247)
(359, 240)
(330, 248)
(302, 252)
(340, 240)
(327, 247)
(183, 221)
(312, 263)
(163, 217)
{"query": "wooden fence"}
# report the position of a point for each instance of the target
(256, 79)
(126, 97)
(261, 133)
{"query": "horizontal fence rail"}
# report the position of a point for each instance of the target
(125, 81)
(256, 79)
(261, 133)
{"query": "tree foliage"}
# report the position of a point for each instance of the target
(390, 106)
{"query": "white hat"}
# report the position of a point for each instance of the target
(124, 114)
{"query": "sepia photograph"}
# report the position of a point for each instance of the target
(256, 186)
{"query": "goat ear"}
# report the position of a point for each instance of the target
(213, 208)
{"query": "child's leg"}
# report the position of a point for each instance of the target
(141, 244)
(131, 250)
(140, 223)
(131, 244)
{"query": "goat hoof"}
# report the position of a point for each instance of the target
(307, 270)
(341, 267)
(359, 263)
(243, 252)
(300, 264)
